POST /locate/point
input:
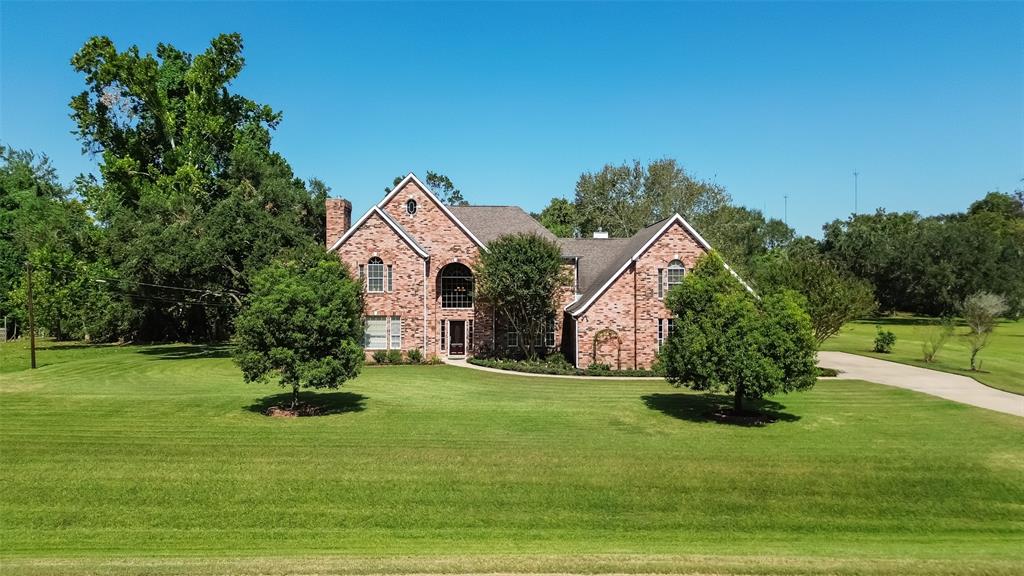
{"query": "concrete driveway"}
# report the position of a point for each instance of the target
(949, 386)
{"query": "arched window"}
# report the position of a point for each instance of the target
(674, 274)
(669, 277)
(375, 275)
(410, 206)
(456, 286)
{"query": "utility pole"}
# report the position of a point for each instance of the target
(785, 210)
(31, 316)
(855, 174)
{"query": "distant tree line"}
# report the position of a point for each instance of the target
(190, 201)
(905, 262)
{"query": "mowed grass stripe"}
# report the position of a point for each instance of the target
(156, 450)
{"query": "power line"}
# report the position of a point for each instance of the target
(137, 283)
(110, 284)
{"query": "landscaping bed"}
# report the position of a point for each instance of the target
(560, 368)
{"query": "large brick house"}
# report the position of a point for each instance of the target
(415, 256)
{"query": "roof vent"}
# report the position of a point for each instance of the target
(600, 234)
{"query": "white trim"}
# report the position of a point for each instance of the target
(412, 177)
(425, 340)
(576, 335)
(387, 220)
(676, 218)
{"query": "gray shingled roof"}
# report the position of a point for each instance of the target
(595, 254)
(606, 256)
(489, 222)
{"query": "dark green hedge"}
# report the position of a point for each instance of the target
(557, 368)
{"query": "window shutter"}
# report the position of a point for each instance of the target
(389, 278)
(661, 284)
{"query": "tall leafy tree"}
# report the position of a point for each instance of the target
(521, 275)
(831, 295)
(625, 198)
(742, 235)
(44, 224)
(190, 191)
(726, 339)
(560, 217)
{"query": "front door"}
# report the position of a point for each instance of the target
(457, 340)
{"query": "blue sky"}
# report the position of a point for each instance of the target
(514, 101)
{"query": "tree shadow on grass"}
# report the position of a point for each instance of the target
(188, 351)
(717, 408)
(310, 404)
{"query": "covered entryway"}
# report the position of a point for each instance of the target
(457, 342)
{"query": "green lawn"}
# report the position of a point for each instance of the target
(156, 460)
(1002, 362)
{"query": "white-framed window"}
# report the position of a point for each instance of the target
(549, 333)
(511, 338)
(396, 332)
(410, 206)
(376, 335)
(383, 332)
(665, 329)
(456, 286)
(674, 274)
(375, 275)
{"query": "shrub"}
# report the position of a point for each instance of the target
(981, 312)
(884, 340)
(415, 356)
(434, 360)
(394, 356)
(555, 364)
(935, 337)
(380, 357)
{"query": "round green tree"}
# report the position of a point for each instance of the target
(521, 275)
(726, 339)
(301, 325)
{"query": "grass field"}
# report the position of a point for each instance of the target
(157, 460)
(1002, 362)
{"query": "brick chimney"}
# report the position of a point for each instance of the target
(339, 219)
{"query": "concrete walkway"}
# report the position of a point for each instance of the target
(942, 384)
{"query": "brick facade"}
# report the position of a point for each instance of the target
(631, 306)
(619, 328)
(339, 219)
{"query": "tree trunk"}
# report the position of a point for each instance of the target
(737, 401)
(974, 354)
(295, 397)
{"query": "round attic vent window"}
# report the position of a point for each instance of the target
(410, 206)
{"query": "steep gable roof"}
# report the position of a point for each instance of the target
(631, 250)
(492, 222)
(390, 222)
(594, 256)
(447, 211)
